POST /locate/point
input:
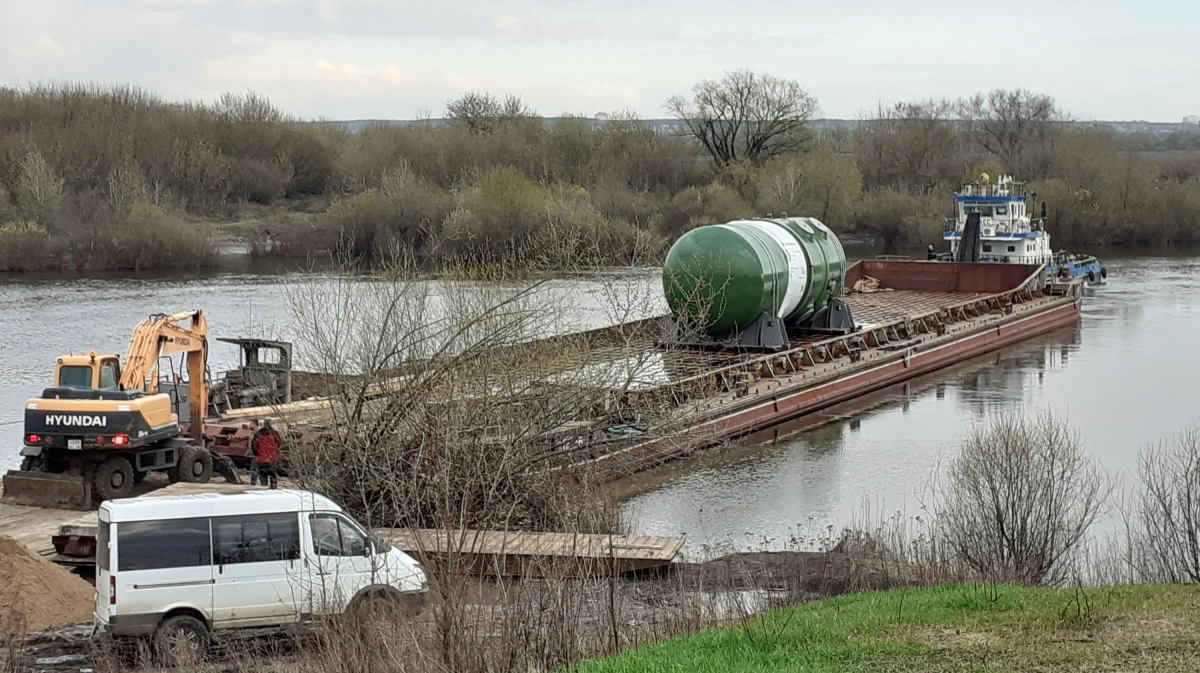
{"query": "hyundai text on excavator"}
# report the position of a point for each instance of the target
(103, 426)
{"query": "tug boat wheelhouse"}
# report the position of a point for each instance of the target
(1009, 234)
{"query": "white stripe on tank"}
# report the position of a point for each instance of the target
(793, 252)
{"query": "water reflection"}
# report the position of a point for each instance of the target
(1125, 377)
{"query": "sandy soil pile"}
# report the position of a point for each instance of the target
(36, 594)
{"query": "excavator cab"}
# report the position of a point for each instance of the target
(88, 372)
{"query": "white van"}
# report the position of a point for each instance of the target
(178, 567)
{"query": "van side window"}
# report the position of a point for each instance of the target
(102, 545)
(255, 538)
(333, 536)
(169, 543)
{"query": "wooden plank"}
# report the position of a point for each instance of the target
(531, 544)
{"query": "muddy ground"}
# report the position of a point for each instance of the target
(685, 597)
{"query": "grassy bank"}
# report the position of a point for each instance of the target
(950, 628)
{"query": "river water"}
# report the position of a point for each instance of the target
(1126, 376)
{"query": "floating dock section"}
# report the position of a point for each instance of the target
(490, 553)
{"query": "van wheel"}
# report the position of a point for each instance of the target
(113, 479)
(181, 641)
(195, 465)
(376, 604)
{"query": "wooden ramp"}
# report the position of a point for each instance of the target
(524, 554)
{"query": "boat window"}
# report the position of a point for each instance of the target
(1012, 248)
(985, 211)
(987, 247)
(1001, 210)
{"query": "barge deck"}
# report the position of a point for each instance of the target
(923, 316)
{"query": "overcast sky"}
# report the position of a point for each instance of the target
(353, 59)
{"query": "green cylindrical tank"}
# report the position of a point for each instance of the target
(725, 276)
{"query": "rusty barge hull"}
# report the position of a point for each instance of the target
(776, 396)
(925, 316)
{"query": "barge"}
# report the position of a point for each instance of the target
(916, 318)
(768, 324)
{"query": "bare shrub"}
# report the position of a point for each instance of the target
(294, 235)
(900, 219)
(1020, 498)
(148, 237)
(39, 190)
(1168, 531)
(821, 184)
(23, 246)
(698, 206)
(404, 210)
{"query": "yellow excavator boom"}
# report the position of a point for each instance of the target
(165, 335)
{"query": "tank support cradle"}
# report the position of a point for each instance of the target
(835, 318)
(767, 333)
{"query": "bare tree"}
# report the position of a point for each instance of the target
(39, 190)
(1169, 510)
(1009, 123)
(1020, 498)
(746, 115)
(481, 112)
(910, 146)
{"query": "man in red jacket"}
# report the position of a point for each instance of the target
(265, 446)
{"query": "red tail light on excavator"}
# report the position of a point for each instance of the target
(120, 440)
(32, 439)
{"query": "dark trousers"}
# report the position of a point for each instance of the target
(268, 474)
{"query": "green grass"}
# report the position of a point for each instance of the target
(950, 628)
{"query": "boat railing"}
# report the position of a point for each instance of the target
(1013, 259)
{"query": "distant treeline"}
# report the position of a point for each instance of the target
(115, 177)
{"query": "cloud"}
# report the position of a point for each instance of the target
(354, 58)
(35, 48)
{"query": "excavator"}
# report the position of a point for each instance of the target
(102, 427)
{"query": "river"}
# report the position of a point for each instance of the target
(1125, 377)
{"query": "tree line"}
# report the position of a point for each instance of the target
(114, 177)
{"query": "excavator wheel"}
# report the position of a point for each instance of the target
(195, 465)
(113, 479)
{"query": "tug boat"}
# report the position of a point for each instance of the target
(1009, 234)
